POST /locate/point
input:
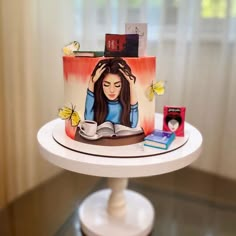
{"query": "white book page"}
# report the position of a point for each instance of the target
(105, 129)
(121, 130)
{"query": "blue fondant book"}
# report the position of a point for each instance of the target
(159, 139)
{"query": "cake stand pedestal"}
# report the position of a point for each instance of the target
(116, 210)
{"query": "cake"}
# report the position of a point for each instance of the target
(110, 93)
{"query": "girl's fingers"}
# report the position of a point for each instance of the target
(127, 77)
(101, 71)
(98, 73)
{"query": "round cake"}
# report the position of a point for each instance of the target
(112, 96)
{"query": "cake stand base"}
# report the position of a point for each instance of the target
(136, 220)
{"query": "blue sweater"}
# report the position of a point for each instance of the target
(114, 111)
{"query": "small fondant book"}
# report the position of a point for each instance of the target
(174, 119)
(88, 53)
(159, 139)
(121, 45)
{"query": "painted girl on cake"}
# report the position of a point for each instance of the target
(111, 94)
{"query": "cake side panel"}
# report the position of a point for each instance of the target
(77, 73)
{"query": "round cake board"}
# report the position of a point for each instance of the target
(124, 151)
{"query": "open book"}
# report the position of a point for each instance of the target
(108, 129)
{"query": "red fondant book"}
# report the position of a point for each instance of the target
(121, 45)
(173, 119)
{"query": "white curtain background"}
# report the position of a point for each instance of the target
(195, 45)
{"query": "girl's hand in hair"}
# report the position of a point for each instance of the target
(98, 73)
(95, 78)
(127, 75)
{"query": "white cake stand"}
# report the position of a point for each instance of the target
(118, 211)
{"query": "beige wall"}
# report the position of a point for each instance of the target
(28, 99)
(2, 153)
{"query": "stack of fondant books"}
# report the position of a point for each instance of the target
(131, 44)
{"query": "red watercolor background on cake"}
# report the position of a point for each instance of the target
(147, 125)
(70, 130)
(80, 69)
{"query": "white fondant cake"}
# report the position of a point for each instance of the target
(110, 94)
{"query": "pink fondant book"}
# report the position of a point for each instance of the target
(173, 119)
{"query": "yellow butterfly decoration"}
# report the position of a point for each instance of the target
(156, 88)
(69, 113)
(70, 48)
